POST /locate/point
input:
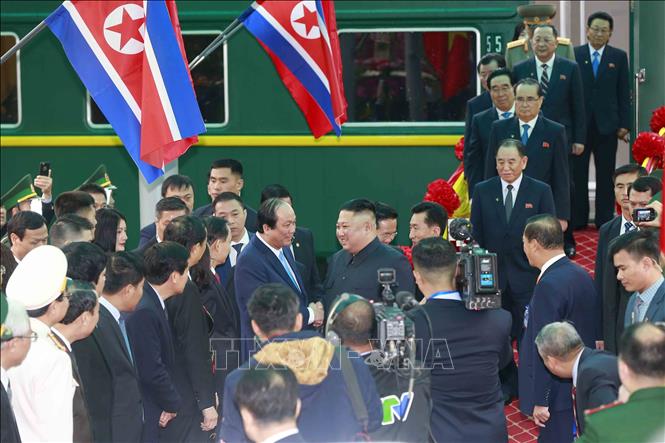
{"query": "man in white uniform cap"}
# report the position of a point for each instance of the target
(43, 386)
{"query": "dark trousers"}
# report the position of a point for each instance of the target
(559, 428)
(604, 148)
(515, 303)
(568, 237)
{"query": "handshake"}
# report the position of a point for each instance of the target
(318, 313)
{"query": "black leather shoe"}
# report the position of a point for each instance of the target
(570, 251)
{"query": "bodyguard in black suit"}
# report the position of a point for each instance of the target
(466, 351)
(564, 292)
(488, 63)
(166, 275)
(498, 217)
(166, 210)
(105, 358)
(476, 146)
(594, 373)
(605, 78)
(545, 142)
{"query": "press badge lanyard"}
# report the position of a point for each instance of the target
(445, 295)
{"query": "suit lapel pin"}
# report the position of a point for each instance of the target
(497, 199)
(546, 145)
(562, 77)
(611, 66)
(586, 62)
(297, 245)
(528, 206)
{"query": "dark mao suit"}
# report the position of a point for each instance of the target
(597, 382)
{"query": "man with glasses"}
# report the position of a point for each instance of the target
(43, 386)
(605, 78)
(544, 141)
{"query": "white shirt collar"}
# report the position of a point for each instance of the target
(159, 297)
(511, 110)
(592, 50)
(624, 220)
(281, 435)
(233, 254)
(516, 187)
(63, 338)
(550, 262)
(549, 64)
(5, 378)
(112, 309)
(531, 124)
(244, 240)
(274, 251)
(575, 366)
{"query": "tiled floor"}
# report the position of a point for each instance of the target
(520, 428)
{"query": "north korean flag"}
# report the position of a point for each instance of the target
(301, 39)
(131, 58)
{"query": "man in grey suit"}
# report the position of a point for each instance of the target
(636, 256)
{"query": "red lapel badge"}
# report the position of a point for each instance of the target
(528, 206)
(546, 145)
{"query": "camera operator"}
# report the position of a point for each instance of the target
(465, 351)
(353, 320)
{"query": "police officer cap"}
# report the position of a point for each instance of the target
(536, 14)
(40, 278)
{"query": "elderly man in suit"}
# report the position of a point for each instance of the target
(488, 63)
(268, 259)
(605, 77)
(545, 143)
(501, 90)
(594, 373)
(564, 292)
(636, 256)
(561, 84)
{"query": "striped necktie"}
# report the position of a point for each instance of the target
(544, 79)
(595, 62)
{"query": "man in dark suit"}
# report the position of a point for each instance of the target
(545, 142)
(302, 246)
(610, 294)
(193, 375)
(175, 185)
(466, 352)
(105, 359)
(166, 275)
(475, 148)
(563, 102)
(166, 210)
(231, 208)
(276, 386)
(594, 373)
(501, 207)
(354, 268)
(268, 259)
(564, 292)
(15, 344)
(605, 78)
(488, 63)
(226, 175)
(636, 257)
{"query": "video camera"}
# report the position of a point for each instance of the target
(477, 278)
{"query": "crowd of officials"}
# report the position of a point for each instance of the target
(219, 325)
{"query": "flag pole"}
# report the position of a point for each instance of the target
(218, 41)
(24, 41)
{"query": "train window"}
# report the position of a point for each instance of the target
(10, 78)
(209, 79)
(409, 77)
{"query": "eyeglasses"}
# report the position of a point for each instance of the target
(32, 336)
(600, 30)
(529, 100)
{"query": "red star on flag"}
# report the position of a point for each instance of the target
(128, 29)
(308, 19)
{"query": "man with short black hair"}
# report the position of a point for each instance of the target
(166, 210)
(71, 228)
(327, 413)
(175, 185)
(386, 222)
(76, 202)
(166, 273)
(87, 262)
(563, 292)
(428, 219)
(594, 373)
(642, 372)
(606, 85)
(353, 269)
(25, 232)
(231, 208)
(267, 398)
(106, 358)
(636, 256)
(96, 192)
(268, 259)
(226, 175)
(464, 348)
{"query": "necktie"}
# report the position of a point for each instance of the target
(506, 115)
(577, 423)
(595, 62)
(9, 390)
(636, 309)
(238, 247)
(287, 268)
(629, 226)
(544, 79)
(525, 134)
(123, 329)
(509, 202)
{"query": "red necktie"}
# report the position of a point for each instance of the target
(577, 423)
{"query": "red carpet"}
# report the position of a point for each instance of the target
(520, 428)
